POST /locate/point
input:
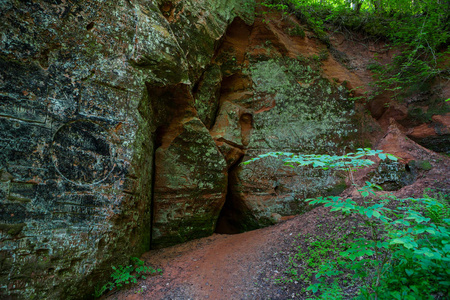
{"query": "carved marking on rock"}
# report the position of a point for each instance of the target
(81, 152)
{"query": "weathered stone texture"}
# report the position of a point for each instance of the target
(77, 131)
(207, 95)
(190, 186)
(122, 125)
(288, 106)
(434, 135)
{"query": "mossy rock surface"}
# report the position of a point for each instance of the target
(77, 131)
(392, 176)
(295, 110)
(190, 186)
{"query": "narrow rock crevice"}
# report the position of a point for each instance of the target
(157, 142)
(228, 223)
(232, 144)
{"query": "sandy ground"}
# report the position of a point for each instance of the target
(243, 266)
(239, 266)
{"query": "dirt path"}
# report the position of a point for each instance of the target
(236, 266)
(242, 266)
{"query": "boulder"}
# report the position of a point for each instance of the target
(289, 105)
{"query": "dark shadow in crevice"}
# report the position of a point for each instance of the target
(407, 168)
(227, 222)
(224, 223)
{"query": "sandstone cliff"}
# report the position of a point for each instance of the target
(123, 124)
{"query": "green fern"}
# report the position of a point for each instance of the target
(440, 208)
(124, 275)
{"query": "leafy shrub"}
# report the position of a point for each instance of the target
(405, 253)
(440, 210)
(418, 29)
(296, 30)
(405, 256)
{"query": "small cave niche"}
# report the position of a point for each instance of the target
(225, 222)
(276, 189)
(167, 9)
(228, 221)
(235, 83)
(90, 26)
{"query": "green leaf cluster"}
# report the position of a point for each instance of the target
(419, 30)
(124, 275)
(405, 256)
(405, 253)
(341, 162)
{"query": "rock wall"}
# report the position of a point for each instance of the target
(275, 97)
(84, 86)
(123, 124)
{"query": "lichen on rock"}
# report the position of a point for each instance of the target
(78, 124)
(190, 186)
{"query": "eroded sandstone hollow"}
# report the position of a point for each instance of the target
(123, 125)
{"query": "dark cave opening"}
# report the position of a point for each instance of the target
(228, 221)
(225, 222)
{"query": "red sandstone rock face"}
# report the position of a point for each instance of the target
(271, 103)
(415, 161)
(87, 91)
(258, 118)
(435, 134)
(190, 186)
(96, 99)
(398, 144)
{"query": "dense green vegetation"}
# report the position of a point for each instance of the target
(392, 249)
(405, 253)
(418, 30)
(387, 247)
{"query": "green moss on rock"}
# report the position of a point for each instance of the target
(12, 229)
(392, 176)
(424, 165)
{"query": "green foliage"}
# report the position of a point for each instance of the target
(341, 162)
(275, 5)
(419, 30)
(296, 30)
(405, 256)
(308, 261)
(403, 253)
(124, 275)
(421, 115)
(440, 210)
(421, 164)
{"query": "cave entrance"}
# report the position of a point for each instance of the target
(226, 223)
(229, 221)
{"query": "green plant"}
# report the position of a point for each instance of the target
(440, 210)
(348, 162)
(296, 30)
(275, 5)
(404, 253)
(418, 30)
(325, 161)
(123, 275)
(404, 256)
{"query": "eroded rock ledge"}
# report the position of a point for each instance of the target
(78, 119)
(123, 125)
